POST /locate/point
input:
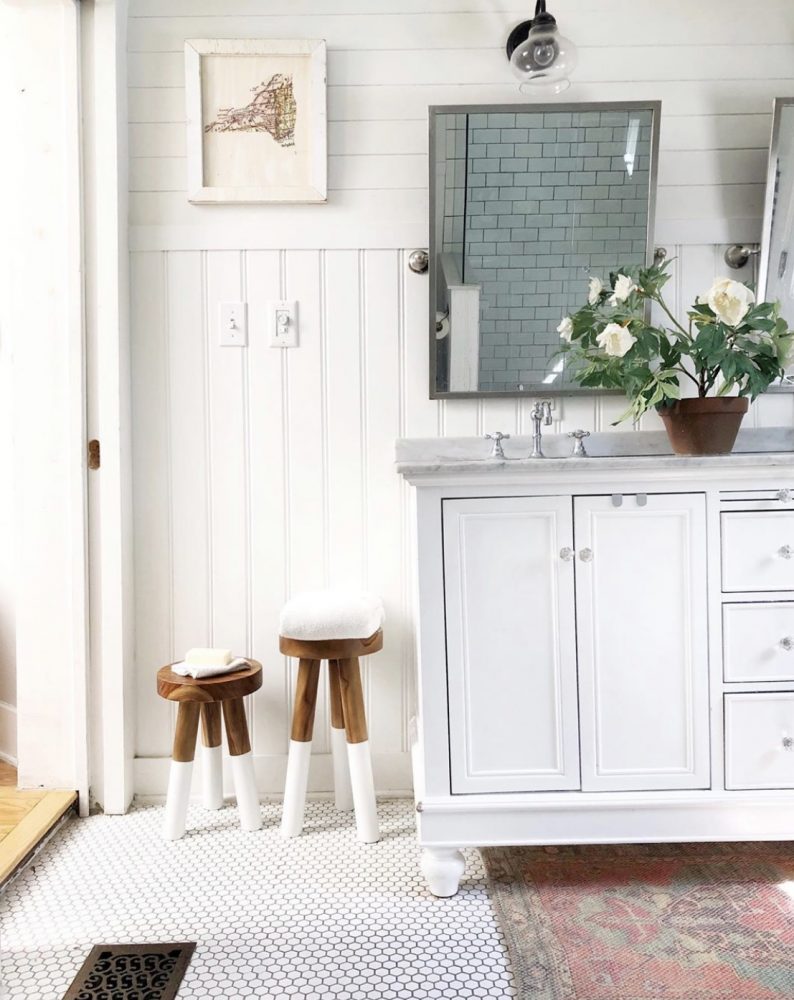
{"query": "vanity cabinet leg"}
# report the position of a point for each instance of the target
(443, 868)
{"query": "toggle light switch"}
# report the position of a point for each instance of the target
(233, 324)
(284, 320)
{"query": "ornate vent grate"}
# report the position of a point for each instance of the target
(132, 972)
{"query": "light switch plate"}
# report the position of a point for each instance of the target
(283, 323)
(233, 324)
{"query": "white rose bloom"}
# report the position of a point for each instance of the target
(565, 329)
(596, 287)
(624, 286)
(616, 340)
(730, 300)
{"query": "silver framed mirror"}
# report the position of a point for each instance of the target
(526, 203)
(776, 264)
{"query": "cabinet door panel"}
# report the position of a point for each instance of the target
(511, 648)
(642, 642)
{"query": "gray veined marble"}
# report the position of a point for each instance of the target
(769, 446)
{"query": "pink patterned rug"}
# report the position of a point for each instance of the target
(647, 922)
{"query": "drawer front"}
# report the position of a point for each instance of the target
(759, 740)
(757, 550)
(758, 641)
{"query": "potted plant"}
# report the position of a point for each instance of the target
(731, 350)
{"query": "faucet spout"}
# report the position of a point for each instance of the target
(541, 414)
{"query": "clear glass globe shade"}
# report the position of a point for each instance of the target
(545, 57)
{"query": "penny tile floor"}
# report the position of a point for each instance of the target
(318, 917)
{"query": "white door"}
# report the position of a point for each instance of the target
(642, 640)
(511, 646)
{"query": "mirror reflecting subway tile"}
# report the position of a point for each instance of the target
(527, 204)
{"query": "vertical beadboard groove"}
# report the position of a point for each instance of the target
(405, 523)
(205, 336)
(324, 403)
(363, 448)
(244, 388)
(288, 687)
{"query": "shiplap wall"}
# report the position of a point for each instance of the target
(260, 472)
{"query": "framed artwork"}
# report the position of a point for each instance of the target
(256, 120)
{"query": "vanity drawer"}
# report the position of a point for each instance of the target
(757, 550)
(759, 740)
(758, 641)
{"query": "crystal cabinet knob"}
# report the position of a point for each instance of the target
(586, 555)
(788, 743)
(785, 552)
(787, 643)
(784, 496)
(566, 554)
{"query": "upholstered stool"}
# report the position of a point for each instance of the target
(206, 698)
(339, 627)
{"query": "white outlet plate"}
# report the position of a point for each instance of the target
(232, 324)
(283, 323)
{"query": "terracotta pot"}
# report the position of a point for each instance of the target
(704, 426)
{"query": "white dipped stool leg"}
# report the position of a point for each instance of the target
(343, 792)
(177, 799)
(176, 803)
(358, 755)
(300, 748)
(300, 755)
(245, 791)
(363, 792)
(211, 755)
(242, 764)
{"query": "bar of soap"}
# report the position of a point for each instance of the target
(201, 657)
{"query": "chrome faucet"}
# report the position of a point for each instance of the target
(497, 437)
(541, 414)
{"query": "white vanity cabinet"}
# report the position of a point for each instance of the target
(603, 651)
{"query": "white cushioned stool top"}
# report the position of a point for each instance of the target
(331, 614)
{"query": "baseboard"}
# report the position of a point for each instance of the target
(392, 773)
(8, 733)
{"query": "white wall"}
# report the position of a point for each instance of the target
(259, 472)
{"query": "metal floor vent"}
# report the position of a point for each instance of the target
(132, 972)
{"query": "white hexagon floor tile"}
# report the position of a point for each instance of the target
(319, 917)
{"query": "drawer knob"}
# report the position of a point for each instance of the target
(784, 496)
(785, 552)
(586, 555)
(566, 554)
(788, 743)
(787, 643)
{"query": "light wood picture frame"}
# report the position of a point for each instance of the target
(256, 120)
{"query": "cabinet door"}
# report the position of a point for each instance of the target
(511, 648)
(642, 642)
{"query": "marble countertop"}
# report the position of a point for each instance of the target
(765, 447)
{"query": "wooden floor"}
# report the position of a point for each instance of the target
(25, 818)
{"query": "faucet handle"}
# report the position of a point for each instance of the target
(578, 448)
(497, 437)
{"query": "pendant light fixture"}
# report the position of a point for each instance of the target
(539, 55)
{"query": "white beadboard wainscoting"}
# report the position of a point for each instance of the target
(260, 472)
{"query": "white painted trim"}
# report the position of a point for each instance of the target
(8, 733)
(107, 310)
(76, 379)
(316, 190)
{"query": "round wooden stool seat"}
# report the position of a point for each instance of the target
(224, 687)
(216, 703)
(330, 649)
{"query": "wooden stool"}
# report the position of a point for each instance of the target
(353, 783)
(206, 698)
